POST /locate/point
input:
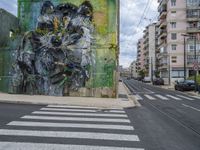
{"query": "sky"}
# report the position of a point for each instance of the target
(134, 16)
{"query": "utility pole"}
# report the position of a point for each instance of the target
(195, 59)
(151, 70)
(184, 59)
(185, 35)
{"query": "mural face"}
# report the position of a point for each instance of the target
(57, 54)
(68, 47)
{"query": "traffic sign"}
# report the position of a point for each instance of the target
(196, 67)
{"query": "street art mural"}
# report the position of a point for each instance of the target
(67, 48)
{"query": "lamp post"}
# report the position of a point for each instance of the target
(184, 35)
(195, 58)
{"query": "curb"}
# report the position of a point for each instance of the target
(131, 97)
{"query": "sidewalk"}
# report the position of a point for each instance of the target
(105, 103)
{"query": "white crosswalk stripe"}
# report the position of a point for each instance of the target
(70, 125)
(75, 119)
(80, 114)
(71, 122)
(173, 97)
(39, 146)
(197, 97)
(80, 110)
(149, 97)
(188, 98)
(161, 97)
(78, 135)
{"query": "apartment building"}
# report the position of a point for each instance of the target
(177, 18)
(133, 69)
(150, 49)
(140, 55)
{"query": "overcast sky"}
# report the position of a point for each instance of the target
(131, 12)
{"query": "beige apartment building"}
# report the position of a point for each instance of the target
(150, 49)
(133, 69)
(177, 18)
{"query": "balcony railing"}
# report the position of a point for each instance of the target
(193, 29)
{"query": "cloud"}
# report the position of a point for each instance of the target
(130, 15)
(9, 5)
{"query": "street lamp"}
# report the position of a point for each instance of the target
(184, 35)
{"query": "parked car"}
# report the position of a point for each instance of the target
(139, 78)
(146, 80)
(128, 78)
(158, 81)
(185, 85)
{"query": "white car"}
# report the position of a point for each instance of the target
(147, 80)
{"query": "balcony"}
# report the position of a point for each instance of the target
(163, 23)
(193, 29)
(162, 34)
(193, 17)
(163, 14)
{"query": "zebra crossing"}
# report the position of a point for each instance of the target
(59, 127)
(170, 97)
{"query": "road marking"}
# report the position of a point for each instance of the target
(173, 97)
(149, 90)
(79, 107)
(76, 119)
(138, 97)
(70, 125)
(191, 107)
(185, 97)
(80, 110)
(42, 146)
(149, 97)
(80, 114)
(77, 135)
(161, 97)
(196, 97)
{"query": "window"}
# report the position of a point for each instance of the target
(173, 36)
(177, 73)
(173, 47)
(174, 59)
(173, 2)
(173, 24)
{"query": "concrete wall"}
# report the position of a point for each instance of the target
(8, 22)
(102, 46)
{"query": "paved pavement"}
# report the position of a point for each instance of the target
(122, 101)
(61, 127)
(167, 120)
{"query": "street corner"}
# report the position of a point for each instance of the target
(129, 100)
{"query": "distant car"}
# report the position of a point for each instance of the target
(185, 85)
(128, 78)
(146, 80)
(139, 78)
(120, 79)
(158, 81)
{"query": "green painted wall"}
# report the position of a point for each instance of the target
(105, 45)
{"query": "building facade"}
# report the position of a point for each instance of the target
(133, 69)
(140, 55)
(150, 50)
(178, 20)
(9, 26)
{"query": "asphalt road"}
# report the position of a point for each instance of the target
(166, 120)
(59, 127)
